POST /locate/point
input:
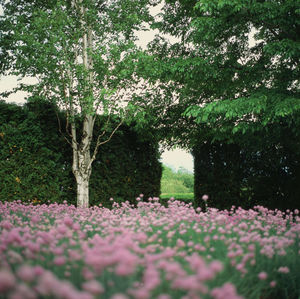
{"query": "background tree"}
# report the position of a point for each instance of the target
(81, 52)
(234, 66)
(230, 79)
(254, 47)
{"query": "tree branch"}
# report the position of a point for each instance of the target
(60, 131)
(103, 142)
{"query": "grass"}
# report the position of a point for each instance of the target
(178, 196)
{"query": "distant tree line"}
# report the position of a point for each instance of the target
(35, 159)
(181, 181)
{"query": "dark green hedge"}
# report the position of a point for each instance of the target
(262, 168)
(36, 161)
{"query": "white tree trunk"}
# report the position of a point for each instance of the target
(82, 191)
(82, 162)
(82, 170)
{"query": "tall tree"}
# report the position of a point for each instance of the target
(234, 66)
(82, 53)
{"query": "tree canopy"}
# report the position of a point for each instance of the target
(234, 66)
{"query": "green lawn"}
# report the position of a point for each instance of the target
(179, 196)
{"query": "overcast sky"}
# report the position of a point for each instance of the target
(178, 158)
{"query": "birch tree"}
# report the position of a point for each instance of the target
(83, 55)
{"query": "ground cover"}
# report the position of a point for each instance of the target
(147, 251)
(179, 196)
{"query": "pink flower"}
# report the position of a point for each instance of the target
(47, 282)
(6, 225)
(180, 243)
(119, 296)
(68, 221)
(62, 229)
(74, 255)
(76, 226)
(123, 270)
(170, 234)
(190, 243)
(66, 290)
(58, 250)
(87, 274)
(95, 261)
(189, 283)
(35, 219)
(151, 278)
(262, 275)
(7, 280)
(205, 273)
(93, 286)
(283, 270)
(251, 247)
(26, 273)
(205, 197)
(38, 270)
(227, 291)
(272, 283)
(22, 291)
(140, 293)
(59, 261)
(216, 266)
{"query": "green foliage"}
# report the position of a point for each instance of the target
(36, 161)
(45, 39)
(262, 169)
(230, 83)
(176, 182)
(233, 68)
(182, 197)
(188, 197)
(126, 166)
(29, 169)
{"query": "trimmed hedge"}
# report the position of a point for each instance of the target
(36, 161)
(262, 169)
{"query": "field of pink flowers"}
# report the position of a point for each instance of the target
(148, 251)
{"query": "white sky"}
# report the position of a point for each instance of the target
(178, 158)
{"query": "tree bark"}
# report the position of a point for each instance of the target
(82, 163)
(82, 191)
